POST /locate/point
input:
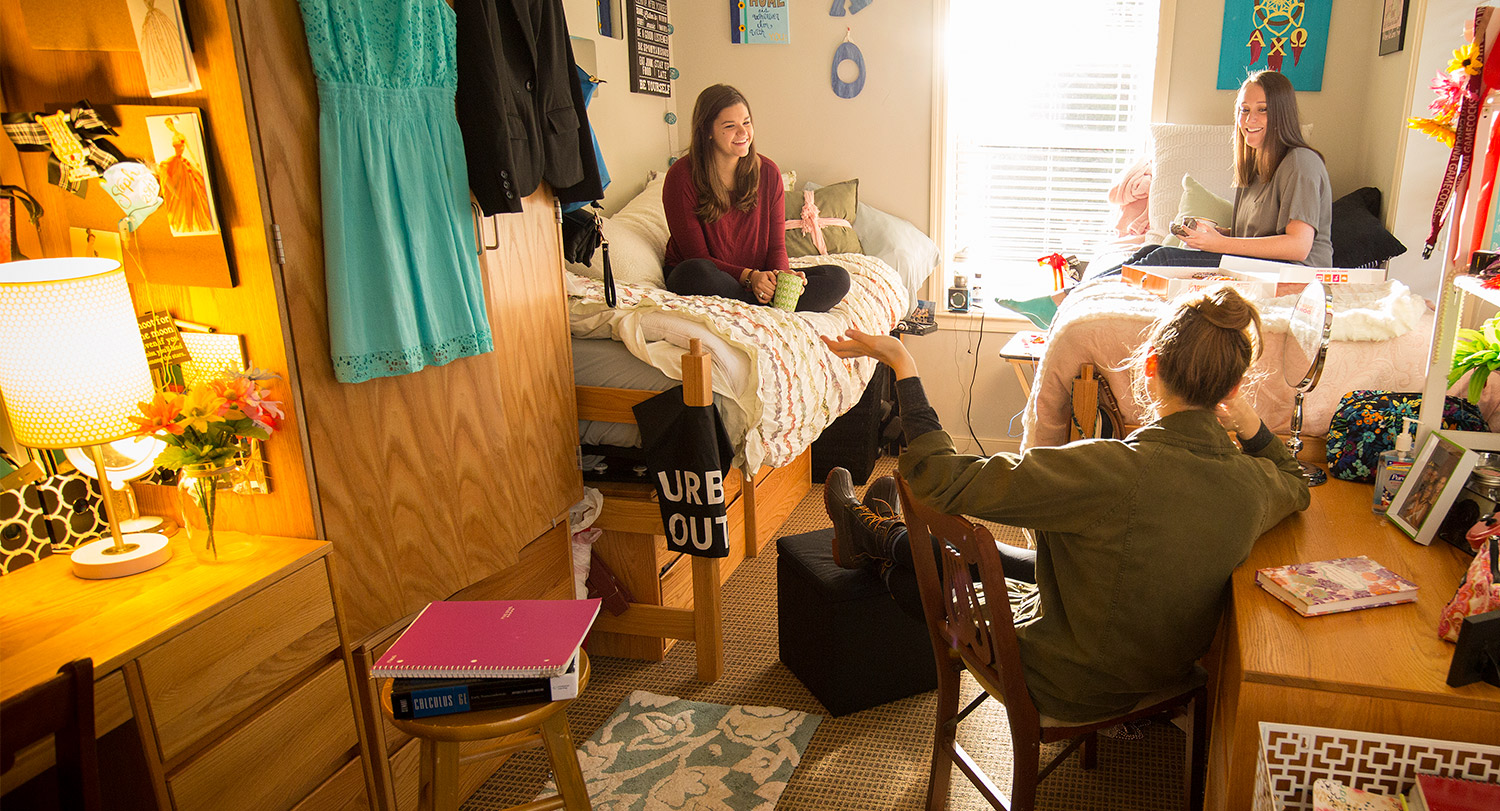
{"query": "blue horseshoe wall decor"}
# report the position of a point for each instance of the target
(848, 51)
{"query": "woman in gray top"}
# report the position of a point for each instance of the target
(1283, 202)
(1136, 538)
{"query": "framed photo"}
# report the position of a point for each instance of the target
(1436, 477)
(1393, 26)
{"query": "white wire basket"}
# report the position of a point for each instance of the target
(1292, 757)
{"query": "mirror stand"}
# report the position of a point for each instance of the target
(1313, 474)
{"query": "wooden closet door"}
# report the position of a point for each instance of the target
(427, 482)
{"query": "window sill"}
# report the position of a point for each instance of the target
(993, 322)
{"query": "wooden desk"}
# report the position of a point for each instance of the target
(236, 672)
(1376, 670)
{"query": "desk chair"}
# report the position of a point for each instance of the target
(62, 707)
(545, 724)
(970, 632)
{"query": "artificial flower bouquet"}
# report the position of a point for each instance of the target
(206, 425)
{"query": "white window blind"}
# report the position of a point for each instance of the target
(1047, 104)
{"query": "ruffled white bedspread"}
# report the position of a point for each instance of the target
(1380, 340)
(783, 387)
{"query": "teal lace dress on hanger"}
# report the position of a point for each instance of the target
(404, 286)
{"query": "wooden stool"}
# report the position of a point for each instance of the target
(545, 723)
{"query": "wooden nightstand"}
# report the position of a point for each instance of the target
(237, 673)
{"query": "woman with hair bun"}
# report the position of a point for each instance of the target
(1136, 537)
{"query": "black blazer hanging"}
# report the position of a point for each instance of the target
(519, 104)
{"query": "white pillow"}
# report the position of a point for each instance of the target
(633, 259)
(1204, 151)
(646, 216)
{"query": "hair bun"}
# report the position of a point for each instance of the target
(1224, 307)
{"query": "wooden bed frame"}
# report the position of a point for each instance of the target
(672, 598)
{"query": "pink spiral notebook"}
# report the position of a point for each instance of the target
(520, 639)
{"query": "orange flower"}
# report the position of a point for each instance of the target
(160, 415)
(202, 406)
(1434, 129)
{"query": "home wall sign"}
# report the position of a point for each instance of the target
(1288, 36)
(650, 55)
(760, 22)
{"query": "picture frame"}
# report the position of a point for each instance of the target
(1393, 26)
(1476, 657)
(1437, 475)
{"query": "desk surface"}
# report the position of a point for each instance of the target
(49, 617)
(1388, 652)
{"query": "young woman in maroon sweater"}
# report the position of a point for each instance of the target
(727, 213)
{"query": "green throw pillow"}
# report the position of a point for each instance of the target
(1200, 202)
(838, 200)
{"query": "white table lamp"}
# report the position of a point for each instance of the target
(72, 371)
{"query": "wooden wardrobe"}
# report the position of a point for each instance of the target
(453, 481)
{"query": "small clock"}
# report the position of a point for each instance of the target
(958, 299)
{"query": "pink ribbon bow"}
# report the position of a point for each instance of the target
(812, 225)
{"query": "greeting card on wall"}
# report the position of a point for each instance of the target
(760, 22)
(1289, 36)
(166, 55)
(177, 146)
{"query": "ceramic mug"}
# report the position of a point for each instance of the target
(788, 291)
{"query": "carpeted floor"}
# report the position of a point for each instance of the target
(875, 759)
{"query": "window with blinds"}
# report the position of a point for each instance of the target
(1047, 103)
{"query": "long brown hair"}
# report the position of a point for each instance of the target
(1203, 347)
(1283, 130)
(714, 200)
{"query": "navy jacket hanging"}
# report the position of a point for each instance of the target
(520, 106)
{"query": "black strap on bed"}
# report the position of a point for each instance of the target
(609, 274)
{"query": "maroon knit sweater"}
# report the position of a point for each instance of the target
(754, 239)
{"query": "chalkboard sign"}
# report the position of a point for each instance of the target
(650, 58)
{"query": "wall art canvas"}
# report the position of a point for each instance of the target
(1289, 36)
(1393, 26)
(96, 242)
(166, 54)
(181, 166)
(766, 22)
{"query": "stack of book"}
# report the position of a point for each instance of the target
(466, 656)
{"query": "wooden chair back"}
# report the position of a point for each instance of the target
(62, 707)
(978, 632)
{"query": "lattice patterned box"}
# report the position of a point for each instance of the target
(1292, 757)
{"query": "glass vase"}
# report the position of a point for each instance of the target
(201, 489)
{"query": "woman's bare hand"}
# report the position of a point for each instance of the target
(1238, 416)
(887, 349)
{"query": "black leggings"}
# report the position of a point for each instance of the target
(901, 578)
(826, 284)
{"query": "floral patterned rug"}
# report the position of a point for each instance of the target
(662, 752)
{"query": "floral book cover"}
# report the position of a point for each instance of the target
(1329, 586)
(1331, 795)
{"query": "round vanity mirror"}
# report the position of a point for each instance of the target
(1302, 356)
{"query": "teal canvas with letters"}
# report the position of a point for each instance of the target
(1290, 36)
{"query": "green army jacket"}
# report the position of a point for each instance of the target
(1136, 542)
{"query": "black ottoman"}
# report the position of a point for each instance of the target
(842, 634)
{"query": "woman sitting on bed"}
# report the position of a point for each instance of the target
(727, 214)
(1136, 537)
(1283, 202)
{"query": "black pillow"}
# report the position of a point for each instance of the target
(1359, 239)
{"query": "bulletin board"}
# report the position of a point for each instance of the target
(200, 260)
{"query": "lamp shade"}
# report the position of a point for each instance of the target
(72, 366)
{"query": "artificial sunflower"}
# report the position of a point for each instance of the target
(1466, 59)
(1434, 129)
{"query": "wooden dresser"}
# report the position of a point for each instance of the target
(217, 665)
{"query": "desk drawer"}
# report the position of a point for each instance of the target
(216, 670)
(277, 758)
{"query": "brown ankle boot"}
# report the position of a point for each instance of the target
(882, 499)
(858, 531)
